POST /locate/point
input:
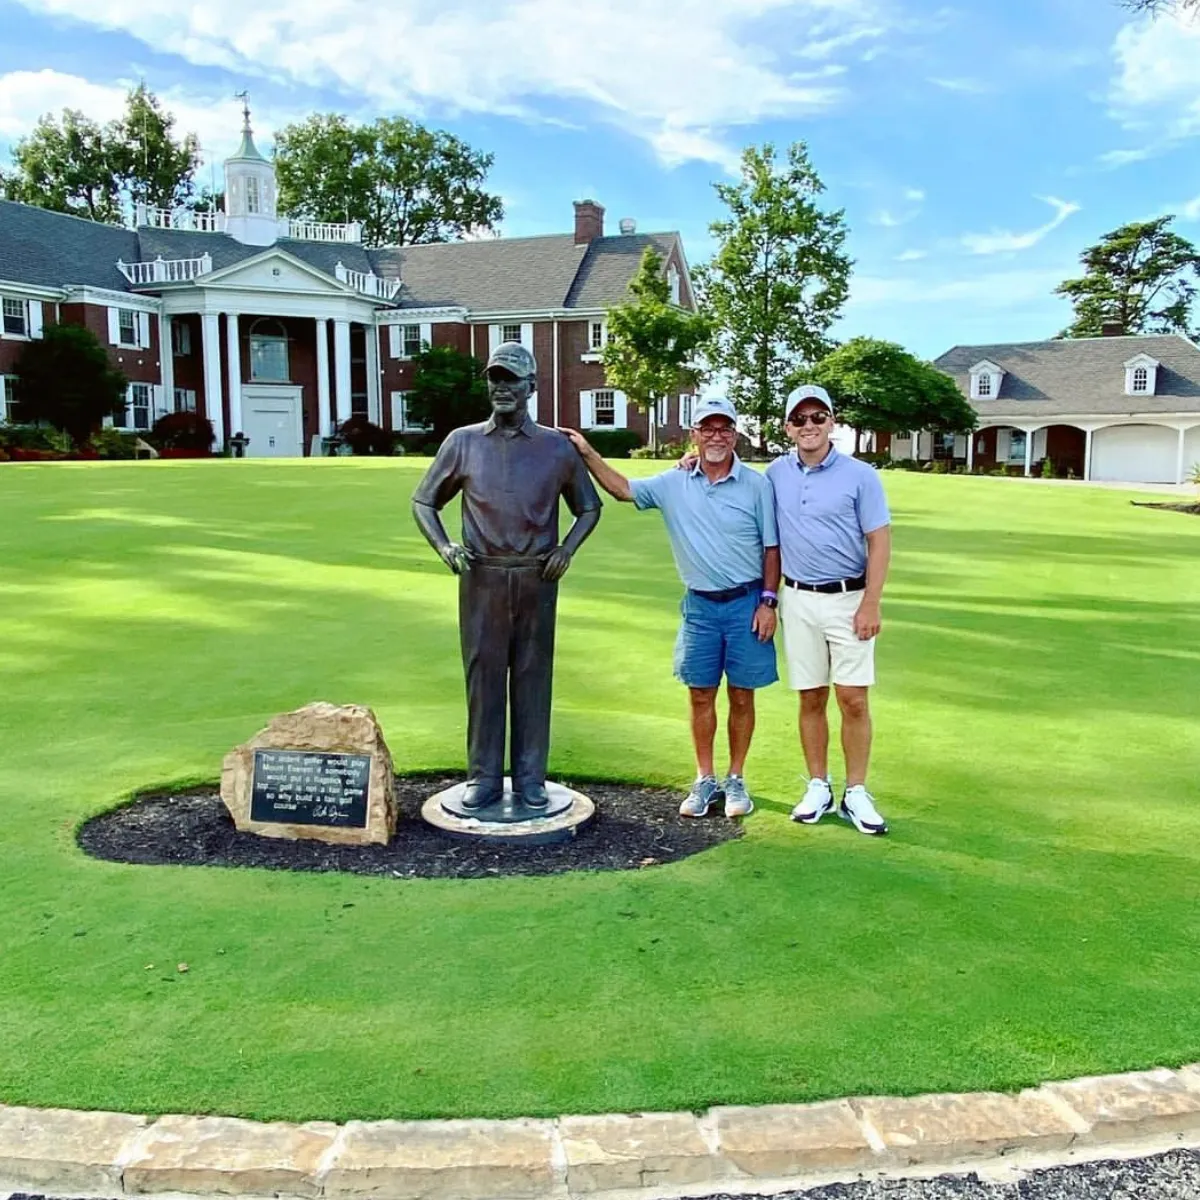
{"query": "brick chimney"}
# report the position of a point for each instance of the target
(589, 221)
(1107, 329)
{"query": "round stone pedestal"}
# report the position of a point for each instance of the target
(567, 813)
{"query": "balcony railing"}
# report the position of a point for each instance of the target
(170, 270)
(319, 231)
(368, 283)
(179, 218)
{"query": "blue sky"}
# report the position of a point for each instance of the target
(976, 149)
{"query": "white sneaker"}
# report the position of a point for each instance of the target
(858, 807)
(815, 803)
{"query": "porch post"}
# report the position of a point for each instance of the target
(210, 338)
(324, 415)
(234, 351)
(970, 450)
(1087, 455)
(1179, 456)
(915, 449)
(374, 407)
(166, 362)
(1028, 452)
(341, 369)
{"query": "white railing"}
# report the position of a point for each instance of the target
(179, 218)
(319, 231)
(171, 270)
(368, 282)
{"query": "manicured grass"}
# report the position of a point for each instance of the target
(1035, 913)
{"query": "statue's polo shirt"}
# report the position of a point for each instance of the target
(825, 513)
(511, 480)
(717, 530)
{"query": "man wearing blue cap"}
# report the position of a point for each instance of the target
(720, 520)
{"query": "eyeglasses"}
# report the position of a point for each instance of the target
(718, 431)
(802, 419)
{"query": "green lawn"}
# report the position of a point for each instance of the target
(1035, 913)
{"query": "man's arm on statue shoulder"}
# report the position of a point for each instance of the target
(611, 480)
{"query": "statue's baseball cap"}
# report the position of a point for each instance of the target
(713, 406)
(807, 391)
(512, 356)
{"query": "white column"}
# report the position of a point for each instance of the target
(915, 448)
(341, 369)
(555, 370)
(1087, 454)
(1179, 456)
(374, 407)
(166, 362)
(324, 415)
(1029, 452)
(970, 450)
(233, 351)
(210, 337)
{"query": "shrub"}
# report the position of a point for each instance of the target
(1047, 468)
(364, 437)
(614, 443)
(1194, 474)
(112, 443)
(182, 431)
(668, 450)
(27, 437)
(943, 466)
(901, 464)
(880, 462)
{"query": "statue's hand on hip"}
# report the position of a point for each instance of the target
(457, 558)
(556, 564)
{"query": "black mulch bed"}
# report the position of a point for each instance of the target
(634, 827)
(1186, 508)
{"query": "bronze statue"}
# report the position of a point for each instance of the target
(511, 473)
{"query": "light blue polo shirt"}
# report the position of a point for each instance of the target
(824, 514)
(717, 530)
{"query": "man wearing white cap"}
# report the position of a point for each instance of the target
(835, 541)
(720, 520)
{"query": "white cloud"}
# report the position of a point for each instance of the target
(887, 219)
(970, 87)
(914, 194)
(624, 61)
(1191, 210)
(992, 290)
(911, 255)
(1157, 85)
(1122, 158)
(1000, 241)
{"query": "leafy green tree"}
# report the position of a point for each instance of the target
(406, 184)
(71, 164)
(1141, 277)
(65, 379)
(879, 385)
(448, 390)
(777, 282)
(653, 345)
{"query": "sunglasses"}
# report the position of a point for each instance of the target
(802, 419)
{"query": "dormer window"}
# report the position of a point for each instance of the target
(1141, 375)
(985, 380)
(983, 386)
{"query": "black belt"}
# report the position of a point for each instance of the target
(733, 593)
(838, 585)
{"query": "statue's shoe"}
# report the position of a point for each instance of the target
(535, 796)
(480, 793)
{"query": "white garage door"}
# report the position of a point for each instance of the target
(1191, 450)
(1135, 454)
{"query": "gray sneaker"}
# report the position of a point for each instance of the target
(706, 791)
(737, 799)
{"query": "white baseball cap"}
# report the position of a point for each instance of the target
(807, 391)
(713, 406)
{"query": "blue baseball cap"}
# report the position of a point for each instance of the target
(713, 406)
(807, 391)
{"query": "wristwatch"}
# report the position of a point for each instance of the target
(769, 599)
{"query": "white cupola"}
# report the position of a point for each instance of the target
(1141, 375)
(986, 378)
(250, 215)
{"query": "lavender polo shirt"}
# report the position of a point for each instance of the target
(824, 514)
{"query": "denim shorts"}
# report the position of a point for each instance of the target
(717, 639)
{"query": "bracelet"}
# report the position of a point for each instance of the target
(767, 594)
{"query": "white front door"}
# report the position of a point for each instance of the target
(271, 419)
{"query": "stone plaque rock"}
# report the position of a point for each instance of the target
(323, 772)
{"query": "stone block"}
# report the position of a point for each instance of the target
(948, 1127)
(615, 1152)
(786, 1139)
(1138, 1104)
(317, 728)
(228, 1157)
(444, 1160)
(64, 1153)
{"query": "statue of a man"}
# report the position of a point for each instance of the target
(511, 473)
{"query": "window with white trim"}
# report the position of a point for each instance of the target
(1141, 379)
(510, 333)
(598, 337)
(185, 399)
(8, 399)
(410, 340)
(181, 338)
(604, 409)
(1016, 447)
(401, 421)
(673, 283)
(127, 327)
(253, 195)
(16, 318)
(268, 351)
(139, 408)
(685, 411)
(983, 385)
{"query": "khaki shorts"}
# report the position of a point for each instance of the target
(819, 642)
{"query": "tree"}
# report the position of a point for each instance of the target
(777, 282)
(653, 344)
(1155, 7)
(406, 184)
(879, 385)
(448, 390)
(64, 378)
(1140, 277)
(70, 164)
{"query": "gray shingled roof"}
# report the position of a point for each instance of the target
(49, 249)
(1080, 375)
(610, 264)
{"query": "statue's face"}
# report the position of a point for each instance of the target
(507, 392)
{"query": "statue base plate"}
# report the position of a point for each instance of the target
(508, 820)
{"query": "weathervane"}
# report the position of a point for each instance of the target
(244, 97)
